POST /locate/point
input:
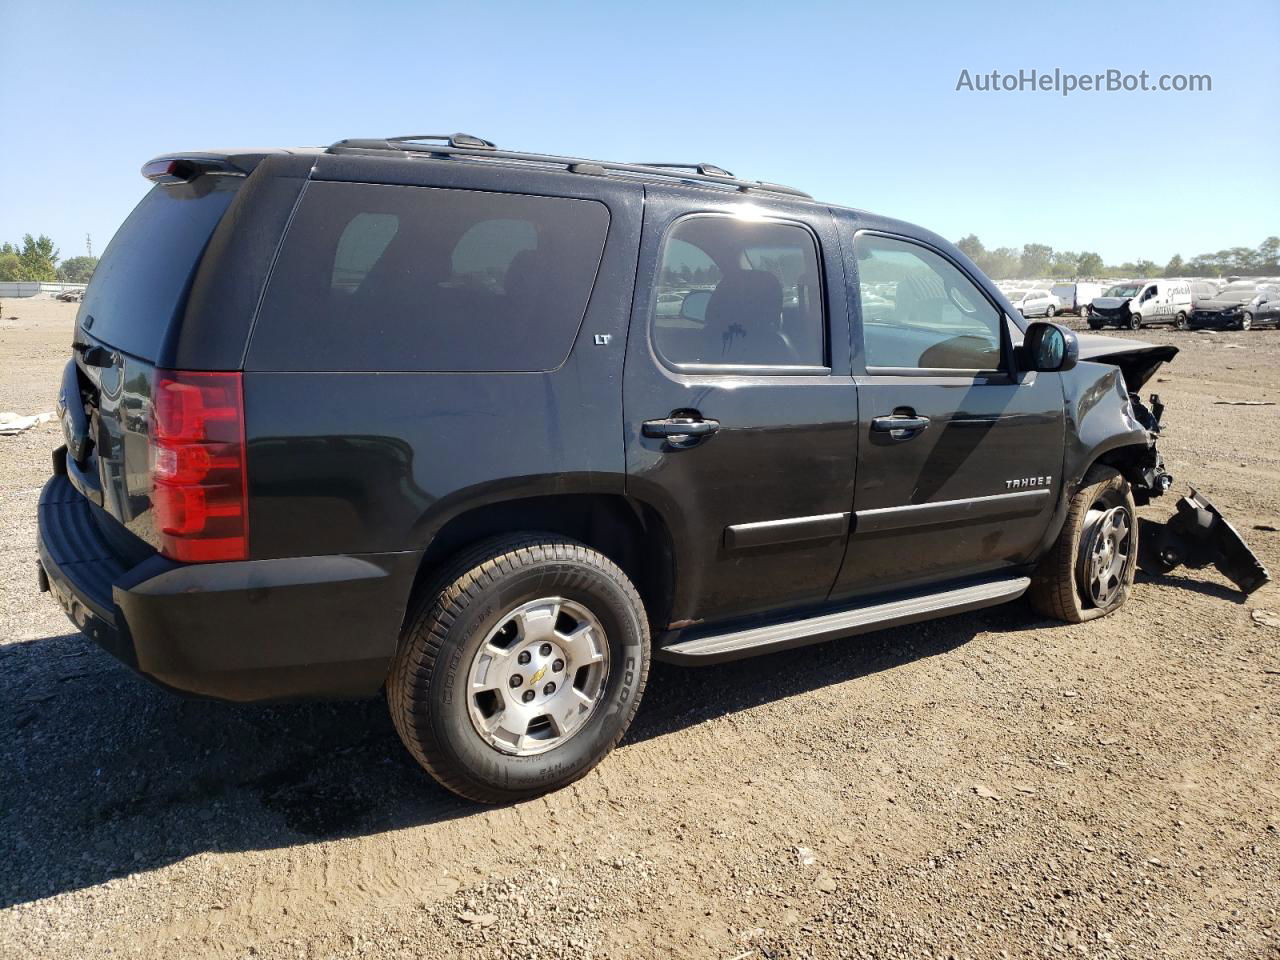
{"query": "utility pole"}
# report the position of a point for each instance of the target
(88, 245)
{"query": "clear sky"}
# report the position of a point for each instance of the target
(854, 102)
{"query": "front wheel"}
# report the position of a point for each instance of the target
(1246, 320)
(1180, 321)
(1135, 321)
(521, 669)
(1089, 570)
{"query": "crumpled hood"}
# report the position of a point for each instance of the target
(1110, 303)
(1137, 360)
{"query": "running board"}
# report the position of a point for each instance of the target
(753, 641)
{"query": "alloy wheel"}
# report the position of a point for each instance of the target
(538, 677)
(1106, 557)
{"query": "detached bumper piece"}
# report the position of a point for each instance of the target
(1196, 536)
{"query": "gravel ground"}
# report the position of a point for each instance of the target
(990, 785)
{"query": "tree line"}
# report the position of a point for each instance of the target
(36, 258)
(1040, 260)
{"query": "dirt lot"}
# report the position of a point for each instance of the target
(994, 784)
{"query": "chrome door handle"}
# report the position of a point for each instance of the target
(899, 426)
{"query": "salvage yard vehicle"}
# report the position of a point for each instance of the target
(1036, 303)
(423, 415)
(1076, 297)
(1239, 306)
(1142, 303)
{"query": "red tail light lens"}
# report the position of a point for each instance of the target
(199, 482)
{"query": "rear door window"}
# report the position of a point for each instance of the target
(735, 292)
(392, 278)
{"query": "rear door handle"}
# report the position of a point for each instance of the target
(680, 432)
(900, 426)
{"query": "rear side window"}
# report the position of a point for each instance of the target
(390, 278)
(142, 282)
(735, 292)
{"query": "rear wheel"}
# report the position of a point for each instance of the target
(1089, 570)
(521, 669)
(1049, 311)
(1180, 321)
(1246, 320)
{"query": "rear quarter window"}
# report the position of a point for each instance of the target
(141, 285)
(393, 278)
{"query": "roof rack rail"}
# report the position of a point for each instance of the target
(466, 145)
(706, 169)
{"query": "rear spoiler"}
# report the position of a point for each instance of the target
(188, 165)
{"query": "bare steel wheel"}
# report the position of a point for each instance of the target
(538, 676)
(1107, 549)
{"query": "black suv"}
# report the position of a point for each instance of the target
(491, 429)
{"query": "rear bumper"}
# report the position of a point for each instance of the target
(292, 628)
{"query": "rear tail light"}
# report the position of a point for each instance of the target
(199, 482)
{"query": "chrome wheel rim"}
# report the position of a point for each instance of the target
(538, 677)
(1107, 558)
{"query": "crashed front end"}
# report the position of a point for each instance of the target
(1197, 535)
(1105, 311)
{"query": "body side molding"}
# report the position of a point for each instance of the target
(740, 536)
(1020, 503)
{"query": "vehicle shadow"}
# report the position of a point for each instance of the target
(1217, 591)
(106, 775)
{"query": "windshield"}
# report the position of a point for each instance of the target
(1124, 290)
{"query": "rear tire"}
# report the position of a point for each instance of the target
(1049, 311)
(535, 604)
(1180, 322)
(1089, 570)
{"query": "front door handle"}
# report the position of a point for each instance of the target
(900, 426)
(680, 432)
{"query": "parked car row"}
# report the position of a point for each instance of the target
(1186, 304)
(1134, 304)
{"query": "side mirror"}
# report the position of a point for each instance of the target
(694, 305)
(1049, 348)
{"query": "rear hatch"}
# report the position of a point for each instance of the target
(127, 325)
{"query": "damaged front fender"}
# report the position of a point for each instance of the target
(1111, 424)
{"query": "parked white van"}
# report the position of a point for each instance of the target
(1076, 297)
(1139, 303)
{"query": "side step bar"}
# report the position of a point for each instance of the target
(753, 641)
